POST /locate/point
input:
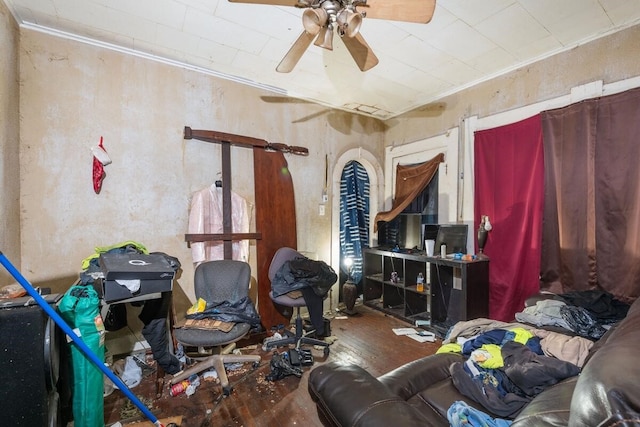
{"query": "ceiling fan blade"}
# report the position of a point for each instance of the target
(295, 52)
(361, 52)
(419, 11)
(320, 37)
(272, 2)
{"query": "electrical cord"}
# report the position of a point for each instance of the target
(444, 302)
(397, 288)
(393, 267)
(400, 297)
(138, 339)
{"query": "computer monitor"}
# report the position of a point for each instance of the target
(405, 231)
(454, 236)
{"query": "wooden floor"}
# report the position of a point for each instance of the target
(365, 339)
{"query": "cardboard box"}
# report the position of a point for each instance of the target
(153, 271)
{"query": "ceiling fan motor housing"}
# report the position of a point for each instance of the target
(330, 14)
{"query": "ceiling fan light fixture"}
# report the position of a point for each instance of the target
(349, 22)
(325, 38)
(314, 19)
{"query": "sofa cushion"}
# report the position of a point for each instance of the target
(438, 398)
(426, 384)
(347, 395)
(411, 378)
(549, 408)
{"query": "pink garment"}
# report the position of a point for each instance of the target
(570, 349)
(205, 217)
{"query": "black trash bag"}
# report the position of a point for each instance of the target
(241, 311)
(116, 317)
(281, 367)
(582, 322)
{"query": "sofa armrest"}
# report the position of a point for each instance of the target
(347, 395)
(607, 392)
(418, 375)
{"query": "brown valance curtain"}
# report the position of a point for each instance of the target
(411, 180)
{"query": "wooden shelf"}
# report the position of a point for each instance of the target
(454, 290)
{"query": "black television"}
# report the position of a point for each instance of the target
(406, 231)
(454, 236)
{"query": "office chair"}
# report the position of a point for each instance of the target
(281, 256)
(216, 282)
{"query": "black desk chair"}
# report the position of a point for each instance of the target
(216, 282)
(298, 338)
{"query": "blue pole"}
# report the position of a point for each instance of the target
(76, 339)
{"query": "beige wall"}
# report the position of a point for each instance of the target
(9, 138)
(73, 93)
(610, 59)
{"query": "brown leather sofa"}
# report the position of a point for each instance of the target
(605, 393)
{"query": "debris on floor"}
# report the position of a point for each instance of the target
(177, 421)
(129, 410)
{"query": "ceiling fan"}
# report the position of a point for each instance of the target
(322, 17)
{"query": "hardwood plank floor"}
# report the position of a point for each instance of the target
(365, 339)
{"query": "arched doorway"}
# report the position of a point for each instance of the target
(354, 223)
(374, 174)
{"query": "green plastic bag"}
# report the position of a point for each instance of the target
(80, 308)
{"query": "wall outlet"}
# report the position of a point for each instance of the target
(321, 210)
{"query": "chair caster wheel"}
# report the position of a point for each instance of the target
(326, 351)
(226, 391)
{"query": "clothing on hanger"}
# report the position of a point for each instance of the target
(206, 217)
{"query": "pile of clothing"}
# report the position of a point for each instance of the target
(505, 369)
(585, 313)
(312, 279)
(508, 364)
(154, 311)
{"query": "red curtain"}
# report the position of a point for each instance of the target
(509, 187)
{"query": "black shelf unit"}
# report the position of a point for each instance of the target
(454, 290)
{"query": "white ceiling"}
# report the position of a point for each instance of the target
(466, 42)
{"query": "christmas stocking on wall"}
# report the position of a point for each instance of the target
(100, 160)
